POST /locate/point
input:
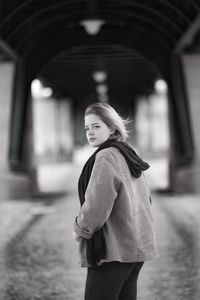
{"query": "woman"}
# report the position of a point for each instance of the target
(114, 227)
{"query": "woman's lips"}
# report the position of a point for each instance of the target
(92, 139)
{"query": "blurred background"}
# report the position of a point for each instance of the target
(55, 59)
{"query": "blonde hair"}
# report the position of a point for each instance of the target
(111, 118)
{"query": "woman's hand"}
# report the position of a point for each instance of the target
(75, 236)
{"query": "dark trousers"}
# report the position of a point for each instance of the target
(112, 281)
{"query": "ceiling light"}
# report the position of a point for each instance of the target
(102, 89)
(39, 91)
(161, 86)
(92, 26)
(47, 92)
(99, 76)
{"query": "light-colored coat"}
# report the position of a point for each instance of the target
(120, 203)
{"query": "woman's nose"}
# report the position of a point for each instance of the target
(90, 131)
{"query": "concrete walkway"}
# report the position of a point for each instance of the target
(39, 258)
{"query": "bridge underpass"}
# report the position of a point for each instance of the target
(52, 46)
(60, 44)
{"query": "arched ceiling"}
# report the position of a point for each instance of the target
(135, 42)
(120, 63)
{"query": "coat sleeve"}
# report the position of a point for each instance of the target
(100, 196)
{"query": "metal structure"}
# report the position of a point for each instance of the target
(139, 41)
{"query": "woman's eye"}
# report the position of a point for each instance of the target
(96, 126)
(86, 129)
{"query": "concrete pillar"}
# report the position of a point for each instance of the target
(12, 186)
(191, 64)
(6, 81)
(179, 113)
(18, 116)
(181, 138)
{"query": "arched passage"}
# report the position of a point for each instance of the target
(40, 32)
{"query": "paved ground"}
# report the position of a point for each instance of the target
(39, 259)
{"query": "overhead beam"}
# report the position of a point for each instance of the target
(8, 50)
(188, 37)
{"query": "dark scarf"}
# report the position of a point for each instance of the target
(95, 247)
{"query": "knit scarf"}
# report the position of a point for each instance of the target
(96, 247)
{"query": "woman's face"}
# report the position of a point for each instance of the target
(97, 132)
